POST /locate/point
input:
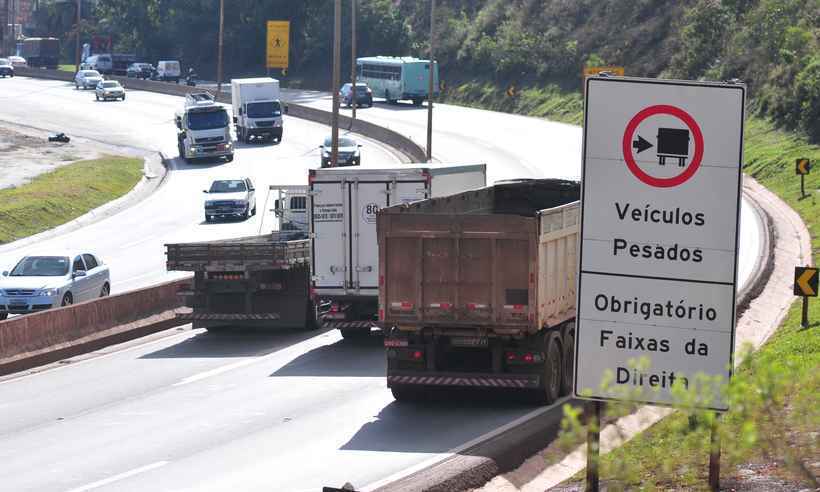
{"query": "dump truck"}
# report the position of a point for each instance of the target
(258, 281)
(478, 289)
(342, 208)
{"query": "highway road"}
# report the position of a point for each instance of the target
(289, 411)
(131, 243)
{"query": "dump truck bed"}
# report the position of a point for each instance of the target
(272, 251)
(498, 260)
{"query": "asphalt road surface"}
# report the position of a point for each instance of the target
(288, 411)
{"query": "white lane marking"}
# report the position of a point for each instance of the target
(121, 476)
(189, 333)
(438, 458)
(288, 352)
(217, 371)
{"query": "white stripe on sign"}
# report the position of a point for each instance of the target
(121, 476)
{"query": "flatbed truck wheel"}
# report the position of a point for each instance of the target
(312, 320)
(407, 393)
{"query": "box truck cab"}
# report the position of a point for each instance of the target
(257, 110)
(290, 207)
(203, 129)
(342, 208)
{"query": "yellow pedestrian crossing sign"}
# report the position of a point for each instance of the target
(803, 166)
(278, 44)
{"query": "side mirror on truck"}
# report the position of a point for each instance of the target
(286, 109)
(235, 119)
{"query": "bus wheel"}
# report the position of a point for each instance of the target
(417, 102)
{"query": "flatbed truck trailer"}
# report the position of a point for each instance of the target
(478, 289)
(258, 281)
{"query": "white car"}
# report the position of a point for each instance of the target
(87, 78)
(18, 61)
(109, 89)
(230, 198)
(42, 282)
(6, 70)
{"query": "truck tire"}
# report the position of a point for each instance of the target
(407, 393)
(312, 321)
(568, 361)
(229, 158)
(354, 333)
(4, 316)
(551, 374)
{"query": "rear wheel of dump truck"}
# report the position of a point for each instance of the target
(568, 363)
(551, 374)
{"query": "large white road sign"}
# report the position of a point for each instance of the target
(659, 236)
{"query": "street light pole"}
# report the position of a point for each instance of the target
(354, 95)
(430, 74)
(79, 30)
(219, 54)
(337, 54)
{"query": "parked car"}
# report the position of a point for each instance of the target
(230, 198)
(140, 70)
(168, 70)
(87, 78)
(6, 70)
(364, 96)
(42, 282)
(18, 61)
(349, 152)
(109, 89)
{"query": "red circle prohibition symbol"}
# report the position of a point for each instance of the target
(696, 157)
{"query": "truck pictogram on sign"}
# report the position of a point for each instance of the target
(671, 143)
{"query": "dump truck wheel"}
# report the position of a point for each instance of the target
(551, 373)
(569, 364)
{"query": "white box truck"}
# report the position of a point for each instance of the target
(342, 208)
(257, 110)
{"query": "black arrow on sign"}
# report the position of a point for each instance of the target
(641, 144)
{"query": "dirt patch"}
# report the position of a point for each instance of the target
(26, 153)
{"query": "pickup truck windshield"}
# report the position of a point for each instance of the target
(208, 120)
(41, 266)
(264, 109)
(227, 186)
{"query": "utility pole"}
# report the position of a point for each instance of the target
(431, 73)
(5, 22)
(79, 30)
(219, 55)
(353, 54)
(337, 55)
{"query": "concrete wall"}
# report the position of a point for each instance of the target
(57, 328)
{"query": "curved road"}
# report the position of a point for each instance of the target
(290, 411)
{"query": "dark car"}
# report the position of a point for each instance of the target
(140, 70)
(364, 96)
(6, 70)
(349, 152)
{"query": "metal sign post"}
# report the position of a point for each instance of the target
(660, 197)
(593, 445)
(802, 168)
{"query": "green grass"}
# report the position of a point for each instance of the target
(67, 68)
(775, 411)
(64, 194)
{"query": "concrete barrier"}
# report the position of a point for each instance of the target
(411, 150)
(47, 336)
